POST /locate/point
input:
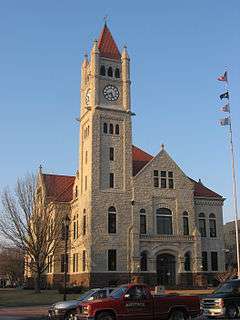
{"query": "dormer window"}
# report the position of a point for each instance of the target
(110, 72)
(117, 73)
(102, 71)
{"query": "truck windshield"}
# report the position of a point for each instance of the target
(117, 293)
(86, 295)
(226, 288)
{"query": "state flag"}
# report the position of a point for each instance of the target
(224, 95)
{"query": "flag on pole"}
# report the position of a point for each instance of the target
(226, 108)
(223, 77)
(224, 95)
(225, 121)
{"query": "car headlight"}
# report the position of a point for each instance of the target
(85, 309)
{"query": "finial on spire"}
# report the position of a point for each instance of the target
(40, 168)
(105, 18)
(162, 146)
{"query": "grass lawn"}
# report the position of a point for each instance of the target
(23, 298)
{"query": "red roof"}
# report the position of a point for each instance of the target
(59, 187)
(201, 191)
(107, 45)
(140, 159)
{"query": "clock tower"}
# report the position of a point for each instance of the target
(105, 158)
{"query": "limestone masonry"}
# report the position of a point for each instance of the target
(131, 213)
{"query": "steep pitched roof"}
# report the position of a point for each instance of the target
(107, 45)
(59, 187)
(140, 159)
(201, 191)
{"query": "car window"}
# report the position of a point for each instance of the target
(101, 294)
(117, 293)
(138, 293)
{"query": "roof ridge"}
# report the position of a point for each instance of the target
(57, 175)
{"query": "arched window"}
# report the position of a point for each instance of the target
(202, 224)
(102, 71)
(164, 221)
(187, 261)
(117, 73)
(110, 72)
(117, 129)
(112, 220)
(143, 222)
(111, 128)
(143, 261)
(185, 224)
(212, 225)
(105, 127)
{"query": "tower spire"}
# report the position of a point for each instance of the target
(106, 44)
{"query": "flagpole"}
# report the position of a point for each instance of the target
(235, 203)
(235, 197)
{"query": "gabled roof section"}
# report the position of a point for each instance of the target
(59, 187)
(140, 159)
(201, 191)
(107, 45)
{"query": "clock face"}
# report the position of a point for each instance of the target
(111, 93)
(88, 97)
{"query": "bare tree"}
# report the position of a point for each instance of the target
(29, 223)
(12, 264)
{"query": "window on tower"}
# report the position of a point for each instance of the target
(111, 128)
(112, 219)
(117, 73)
(110, 72)
(111, 154)
(111, 180)
(105, 127)
(102, 71)
(117, 129)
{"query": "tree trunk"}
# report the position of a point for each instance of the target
(37, 282)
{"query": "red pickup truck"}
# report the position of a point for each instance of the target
(135, 302)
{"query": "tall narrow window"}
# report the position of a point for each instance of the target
(164, 221)
(112, 228)
(185, 224)
(155, 179)
(105, 127)
(75, 262)
(112, 260)
(143, 222)
(102, 71)
(117, 129)
(84, 260)
(110, 72)
(111, 180)
(214, 261)
(204, 261)
(84, 224)
(212, 225)
(187, 261)
(117, 73)
(76, 192)
(170, 180)
(143, 261)
(75, 230)
(163, 179)
(111, 154)
(86, 156)
(85, 182)
(111, 128)
(202, 225)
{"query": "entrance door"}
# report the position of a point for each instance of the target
(166, 269)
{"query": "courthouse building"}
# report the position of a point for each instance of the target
(130, 212)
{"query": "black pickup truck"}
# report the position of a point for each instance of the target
(224, 303)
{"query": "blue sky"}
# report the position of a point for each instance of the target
(177, 50)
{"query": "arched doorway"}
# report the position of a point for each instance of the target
(166, 269)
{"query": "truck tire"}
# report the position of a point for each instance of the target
(105, 316)
(231, 311)
(178, 315)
